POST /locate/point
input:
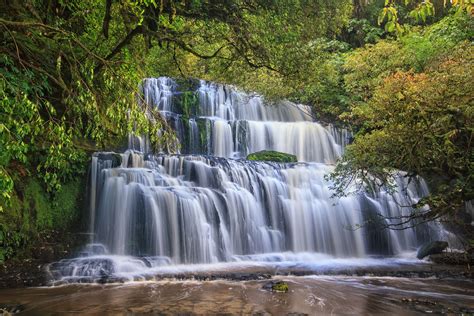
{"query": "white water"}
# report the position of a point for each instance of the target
(239, 123)
(154, 211)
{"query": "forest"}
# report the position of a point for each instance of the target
(397, 74)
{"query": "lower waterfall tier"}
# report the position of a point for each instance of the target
(197, 209)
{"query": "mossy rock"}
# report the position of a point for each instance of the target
(276, 286)
(270, 155)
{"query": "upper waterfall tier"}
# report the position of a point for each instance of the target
(220, 120)
(221, 101)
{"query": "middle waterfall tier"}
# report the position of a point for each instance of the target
(195, 209)
(219, 120)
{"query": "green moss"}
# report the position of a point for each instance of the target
(280, 287)
(187, 104)
(269, 155)
(32, 211)
(36, 200)
(14, 228)
(202, 126)
(65, 205)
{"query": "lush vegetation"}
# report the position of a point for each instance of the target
(71, 70)
(412, 107)
(398, 72)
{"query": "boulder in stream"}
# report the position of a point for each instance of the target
(276, 286)
(431, 248)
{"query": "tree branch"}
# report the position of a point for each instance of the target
(105, 24)
(125, 41)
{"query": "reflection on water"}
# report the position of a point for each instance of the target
(310, 295)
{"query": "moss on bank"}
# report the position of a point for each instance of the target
(34, 213)
(269, 155)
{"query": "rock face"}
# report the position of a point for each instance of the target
(270, 155)
(431, 248)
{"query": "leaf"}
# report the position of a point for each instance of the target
(382, 15)
(390, 26)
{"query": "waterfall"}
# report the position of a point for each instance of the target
(237, 123)
(210, 205)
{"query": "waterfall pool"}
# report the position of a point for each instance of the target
(307, 295)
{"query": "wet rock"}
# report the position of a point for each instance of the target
(276, 286)
(114, 157)
(427, 306)
(7, 309)
(270, 155)
(431, 248)
(84, 266)
(94, 249)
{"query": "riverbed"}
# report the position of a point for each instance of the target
(307, 294)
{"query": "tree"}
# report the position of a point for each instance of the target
(421, 123)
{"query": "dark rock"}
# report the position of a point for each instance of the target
(453, 258)
(276, 286)
(114, 157)
(431, 248)
(270, 155)
(7, 309)
(44, 253)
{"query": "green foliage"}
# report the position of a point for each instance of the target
(36, 211)
(419, 11)
(269, 155)
(420, 123)
(291, 55)
(30, 136)
(366, 68)
(361, 32)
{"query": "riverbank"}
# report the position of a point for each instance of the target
(29, 267)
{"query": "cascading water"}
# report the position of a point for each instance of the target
(221, 121)
(148, 210)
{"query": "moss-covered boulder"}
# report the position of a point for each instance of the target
(270, 155)
(276, 286)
